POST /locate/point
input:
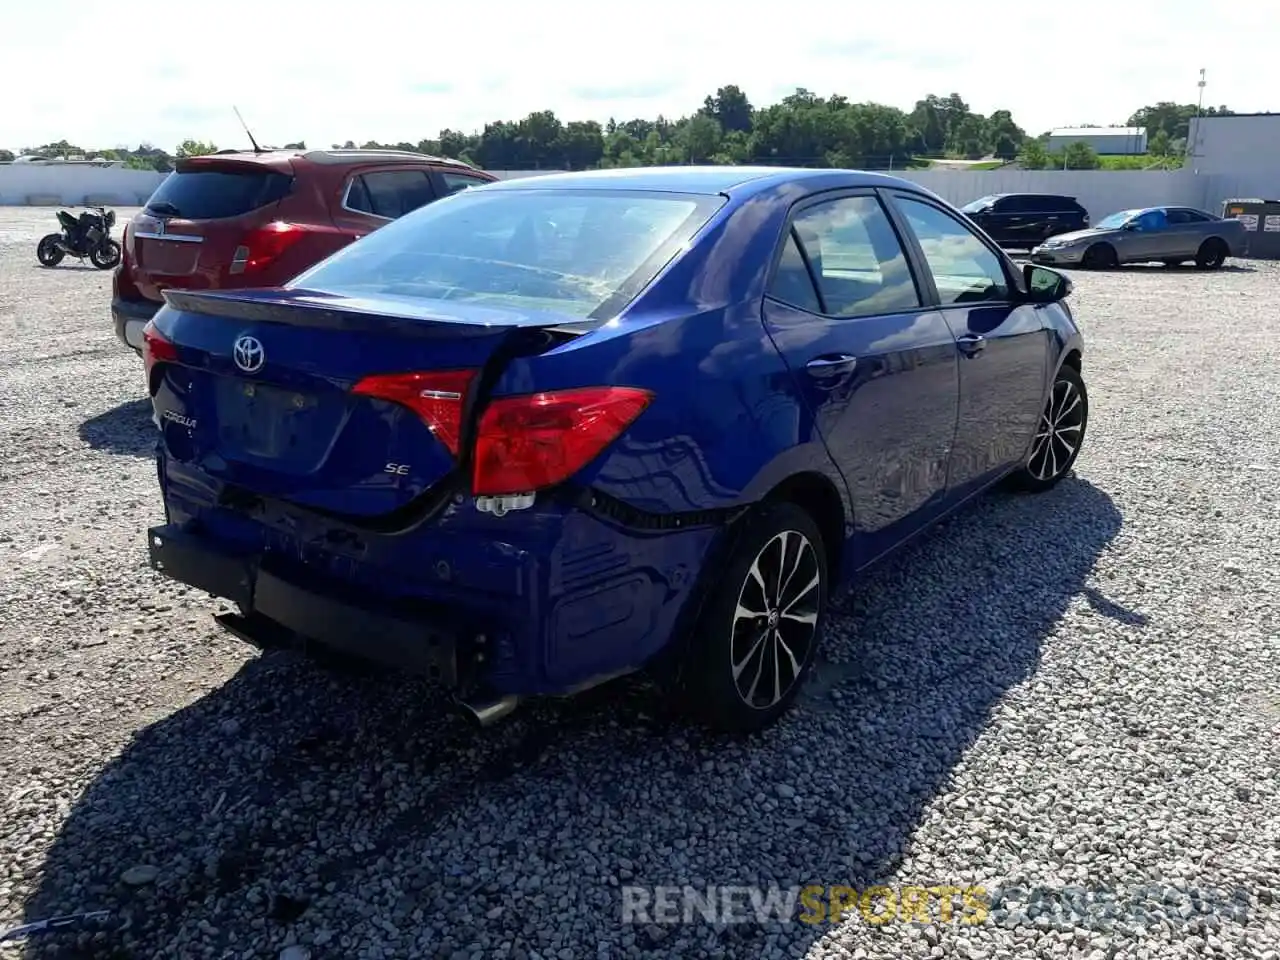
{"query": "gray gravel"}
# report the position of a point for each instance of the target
(1077, 694)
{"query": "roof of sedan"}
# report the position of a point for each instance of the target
(701, 180)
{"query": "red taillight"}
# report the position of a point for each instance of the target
(528, 443)
(435, 397)
(156, 349)
(264, 245)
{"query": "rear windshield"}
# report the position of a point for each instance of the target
(973, 206)
(214, 194)
(582, 253)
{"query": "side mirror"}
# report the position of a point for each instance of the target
(1045, 285)
(1131, 225)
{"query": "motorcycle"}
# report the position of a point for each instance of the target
(88, 235)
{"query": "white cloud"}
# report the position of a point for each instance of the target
(396, 70)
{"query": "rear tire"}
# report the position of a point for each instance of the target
(1101, 256)
(106, 256)
(1059, 435)
(48, 252)
(754, 643)
(1212, 254)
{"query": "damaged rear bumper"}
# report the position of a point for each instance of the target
(417, 640)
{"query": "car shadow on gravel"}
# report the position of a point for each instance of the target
(125, 430)
(347, 811)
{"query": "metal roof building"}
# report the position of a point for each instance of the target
(1105, 141)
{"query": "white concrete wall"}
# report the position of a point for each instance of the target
(72, 184)
(1101, 192)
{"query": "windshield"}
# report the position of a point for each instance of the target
(1116, 220)
(585, 253)
(973, 206)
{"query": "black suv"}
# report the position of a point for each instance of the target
(1024, 220)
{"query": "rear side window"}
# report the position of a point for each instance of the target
(215, 194)
(855, 257)
(454, 182)
(580, 253)
(389, 193)
(791, 282)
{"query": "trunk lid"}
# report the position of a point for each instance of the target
(281, 420)
(187, 235)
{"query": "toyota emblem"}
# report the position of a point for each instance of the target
(248, 354)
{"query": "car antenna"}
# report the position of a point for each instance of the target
(256, 148)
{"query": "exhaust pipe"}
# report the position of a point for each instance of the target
(485, 713)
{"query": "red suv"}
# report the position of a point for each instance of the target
(243, 219)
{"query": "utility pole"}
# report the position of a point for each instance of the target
(1186, 150)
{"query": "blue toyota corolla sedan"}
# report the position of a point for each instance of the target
(549, 431)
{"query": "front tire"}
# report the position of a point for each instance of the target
(756, 638)
(48, 252)
(1059, 434)
(1212, 254)
(1101, 256)
(106, 256)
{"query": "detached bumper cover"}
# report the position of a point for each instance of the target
(406, 640)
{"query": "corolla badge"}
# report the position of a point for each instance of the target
(248, 354)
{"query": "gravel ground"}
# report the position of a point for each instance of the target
(1079, 690)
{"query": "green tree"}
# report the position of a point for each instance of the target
(969, 137)
(1006, 136)
(1033, 155)
(928, 123)
(700, 137)
(1160, 145)
(6, 156)
(730, 108)
(1080, 156)
(1173, 118)
(581, 144)
(195, 148)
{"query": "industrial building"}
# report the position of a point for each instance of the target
(1105, 141)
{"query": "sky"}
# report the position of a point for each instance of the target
(392, 70)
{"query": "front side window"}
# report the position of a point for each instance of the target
(856, 258)
(964, 269)
(976, 206)
(582, 253)
(1150, 221)
(1017, 204)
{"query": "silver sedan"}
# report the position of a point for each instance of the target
(1171, 235)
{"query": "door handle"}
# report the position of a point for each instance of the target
(831, 365)
(971, 344)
